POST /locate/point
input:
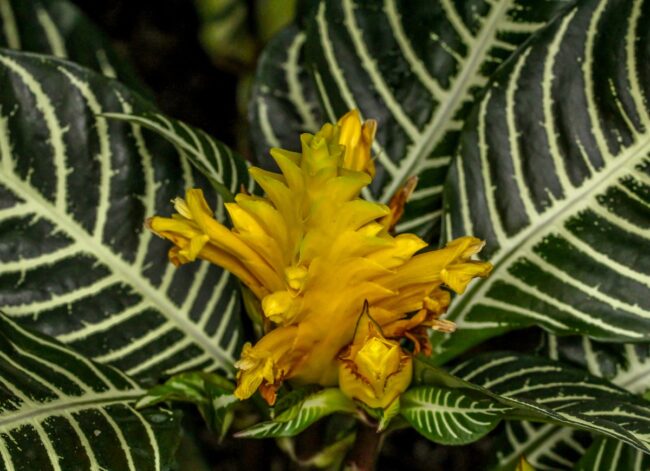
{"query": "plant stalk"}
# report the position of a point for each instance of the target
(363, 455)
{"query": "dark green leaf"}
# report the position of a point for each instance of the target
(606, 454)
(415, 66)
(284, 103)
(302, 414)
(550, 446)
(211, 393)
(449, 416)
(61, 411)
(545, 446)
(553, 172)
(213, 159)
(58, 28)
(77, 263)
(560, 394)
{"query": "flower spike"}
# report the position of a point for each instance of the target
(313, 252)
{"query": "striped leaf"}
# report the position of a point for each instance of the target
(416, 66)
(300, 415)
(547, 447)
(284, 101)
(449, 416)
(625, 365)
(608, 455)
(561, 394)
(550, 447)
(554, 173)
(225, 170)
(212, 394)
(76, 261)
(60, 411)
(58, 28)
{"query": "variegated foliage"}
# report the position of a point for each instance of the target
(554, 172)
(214, 160)
(549, 447)
(58, 28)
(284, 100)
(416, 67)
(607, 455)
(449, 416)
(60, 411)
(211, 393)
(550, 391)
(77, 263)
(300, 412)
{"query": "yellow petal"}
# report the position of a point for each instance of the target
(195, 246)
(242, 220)
(280, 307)
(458, 276)
(290, 168)
(296, 276)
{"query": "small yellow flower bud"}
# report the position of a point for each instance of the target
(374, 370)
(295, 277)
(377, 357)
(277, 307)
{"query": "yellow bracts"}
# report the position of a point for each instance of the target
(373, 369)
(312, 251)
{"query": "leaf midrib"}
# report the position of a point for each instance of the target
(58, 407)
(438, 408)
(117, 265)
(618, 164)
(435, 129)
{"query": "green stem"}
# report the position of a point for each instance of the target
(364, 452)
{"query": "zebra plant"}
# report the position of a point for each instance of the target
(526, 124)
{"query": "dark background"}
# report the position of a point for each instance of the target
(160, 38)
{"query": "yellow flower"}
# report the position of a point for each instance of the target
(264, 366)
(373, 369)
(312, 251)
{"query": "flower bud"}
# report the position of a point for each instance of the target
(279, 307)
(295, 277)
(374, 370)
